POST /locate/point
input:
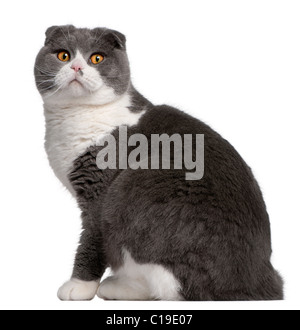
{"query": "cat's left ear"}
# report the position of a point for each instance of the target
(118, 38)
(115, 38)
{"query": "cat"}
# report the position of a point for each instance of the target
(164, 237)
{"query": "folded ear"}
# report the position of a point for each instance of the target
(118, 38)
(50, 32)
(55, 31)
(115, 38)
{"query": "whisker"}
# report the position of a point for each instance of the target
(43, 90)
(45, 76)
(112, 77)
(47, 96)
(45, 72)
(94, 81)
(42, 75)
(40, 68)
(44, 82)
(51, 86)
(110, 66)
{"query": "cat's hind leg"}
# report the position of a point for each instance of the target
(123, 288)
(134, 281)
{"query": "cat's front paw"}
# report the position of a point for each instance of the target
(77, 290)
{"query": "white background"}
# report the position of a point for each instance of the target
(233, 64)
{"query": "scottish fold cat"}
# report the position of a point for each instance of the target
(164, 237)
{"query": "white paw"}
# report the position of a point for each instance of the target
(77, 290)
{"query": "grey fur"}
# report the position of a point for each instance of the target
(212, 234)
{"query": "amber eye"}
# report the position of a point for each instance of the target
(97, 58)
(63, 56)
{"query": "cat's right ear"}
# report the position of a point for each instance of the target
(55, 31)
(50, 32)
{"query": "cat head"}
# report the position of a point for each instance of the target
(82, 66)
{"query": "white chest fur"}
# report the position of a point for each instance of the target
(70, 131)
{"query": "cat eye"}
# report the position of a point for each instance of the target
(64, 56)
(97, 58)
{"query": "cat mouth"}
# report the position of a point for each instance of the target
(75, 82)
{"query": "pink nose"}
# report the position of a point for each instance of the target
(76, 66)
